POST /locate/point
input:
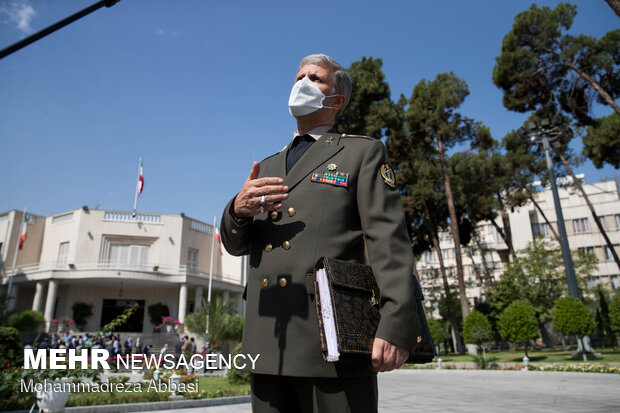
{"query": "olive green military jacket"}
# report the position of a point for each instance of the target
(322, 220)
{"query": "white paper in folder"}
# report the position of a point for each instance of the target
(327, 314)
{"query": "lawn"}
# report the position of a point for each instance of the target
(543, 355)
(208, 387)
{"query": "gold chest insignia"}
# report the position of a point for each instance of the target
(388, 175)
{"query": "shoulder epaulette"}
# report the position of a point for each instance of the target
(346, 135)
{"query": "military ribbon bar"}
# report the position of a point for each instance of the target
(332, 178)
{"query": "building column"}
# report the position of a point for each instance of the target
(225, 295)
(182, 302)
(12, 300)
(50, 303)
(198, 300)
(38, 296)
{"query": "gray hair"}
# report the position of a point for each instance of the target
(343, 83)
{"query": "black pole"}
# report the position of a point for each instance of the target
(59, 25)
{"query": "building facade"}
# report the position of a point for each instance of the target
(485, 257)
(113, 259)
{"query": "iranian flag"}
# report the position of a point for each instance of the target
(24, 234)
(219, 241)
(140, 179)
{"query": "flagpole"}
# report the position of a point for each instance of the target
(210, 278)
(10, 287)
(135, 198)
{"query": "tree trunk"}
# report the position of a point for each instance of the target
(506, 233)
(525, 344)
(610, 245)
(606, 97)
(544, 334)
(454, 325)
(584, 353)
(455, 231)
(615, 6)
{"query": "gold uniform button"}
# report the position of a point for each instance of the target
(265, 282)
(234, 231)
(419, 339)
(282, 282)
(274, 215)
(291, 211)
(286, 245)
(268, 247)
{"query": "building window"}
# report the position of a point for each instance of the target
(617, 221)
(192, 260)
(581, 226)
(601, 219)
(587, 250)
(63, 251)
(540, 229)
(615, 283)
(593, 282)
(608, 255)
(125, 255)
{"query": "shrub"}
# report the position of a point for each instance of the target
(517, 323)
(438, 332)
(571, 316)
(81, 312)
(27, 320)
(11, 353)
(157, 312)
(614, 313)
(477, 329)
(234, 375)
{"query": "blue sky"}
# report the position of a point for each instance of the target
(199, 89)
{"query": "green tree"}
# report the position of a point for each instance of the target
(224, 324)
(604, 314)
(571, 316)
(537, 277)
(81, 312)
(370, 111)
(517, 323)
(614, 313)
(27, 320)
(157, 312)
(615, 6)
(431, 119)
(438, 332)
(11, 353)
(540, 64)
(602, 141)
(477, 329)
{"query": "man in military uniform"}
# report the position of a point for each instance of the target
(325, 195)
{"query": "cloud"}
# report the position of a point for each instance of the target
(170, 33)
(20, 12)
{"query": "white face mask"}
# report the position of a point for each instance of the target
(306, 97)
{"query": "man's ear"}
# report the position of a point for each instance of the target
(339, 101)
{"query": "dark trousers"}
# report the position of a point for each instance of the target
(283, 394)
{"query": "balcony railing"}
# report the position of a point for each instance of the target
(124, 216)
(78, 268)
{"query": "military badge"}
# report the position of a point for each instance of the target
(388, 175)
(332, 167)
(332, 178)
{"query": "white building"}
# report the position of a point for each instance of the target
(111, 259)
(487, 253)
